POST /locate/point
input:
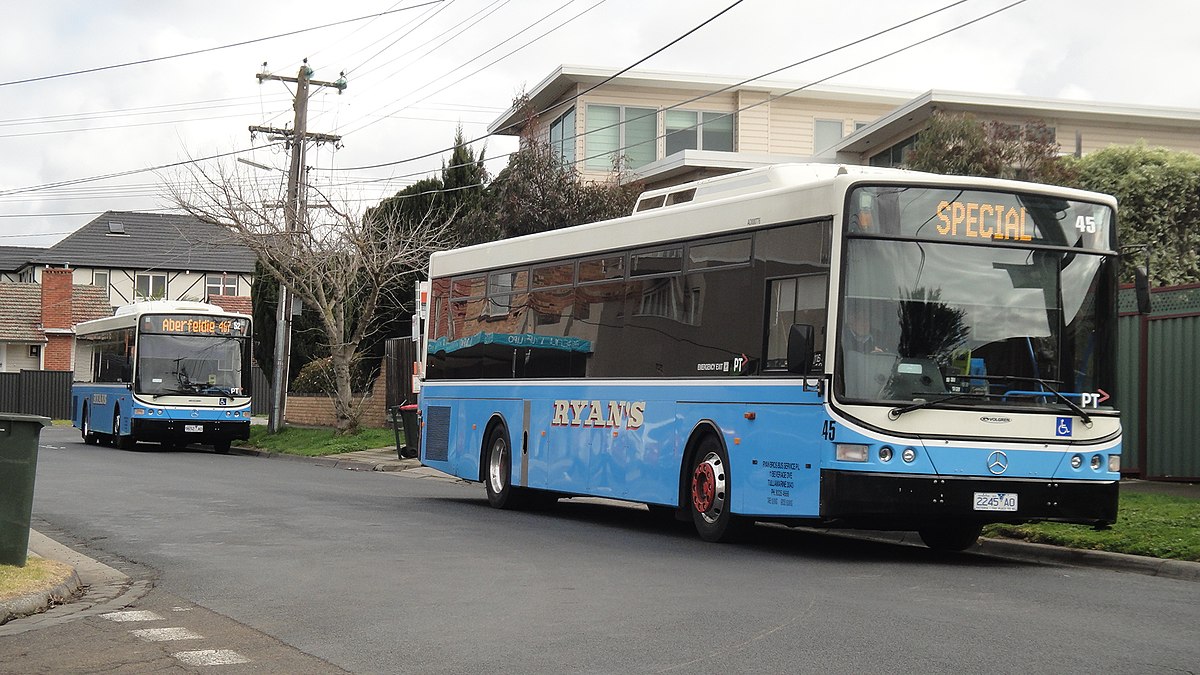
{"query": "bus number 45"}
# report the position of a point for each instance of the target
(828, 430)
(1086, 224)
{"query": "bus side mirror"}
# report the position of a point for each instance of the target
(800, 348)
(1141, 286)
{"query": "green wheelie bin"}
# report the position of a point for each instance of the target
(18, 461)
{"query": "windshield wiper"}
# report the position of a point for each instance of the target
(1087, 420)
(896, 412)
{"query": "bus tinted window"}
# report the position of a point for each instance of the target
(719, 254)
(664, 261)
(602, 269)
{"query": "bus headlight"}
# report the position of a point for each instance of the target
(908, 455)
(1096, 460)
(848, 452)
(885, 453)
(1076, 461)
(1114, 463)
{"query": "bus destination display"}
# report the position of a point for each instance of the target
(181, 324)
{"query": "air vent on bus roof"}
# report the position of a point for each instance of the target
(669, 199)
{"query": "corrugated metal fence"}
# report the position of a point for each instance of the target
(1158, 380)
(37, 392)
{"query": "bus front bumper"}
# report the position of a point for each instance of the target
(190, 431)
(903, 501)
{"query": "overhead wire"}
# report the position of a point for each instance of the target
(206, 50)
(773, 97)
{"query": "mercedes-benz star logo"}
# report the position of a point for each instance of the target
(997, 462)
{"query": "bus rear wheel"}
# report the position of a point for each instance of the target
(501, 493)
(950, 537)
(708, 493)
(85, 428)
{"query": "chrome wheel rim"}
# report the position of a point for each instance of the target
(709, 488)
(496, 465)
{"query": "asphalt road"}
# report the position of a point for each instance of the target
(378, 572)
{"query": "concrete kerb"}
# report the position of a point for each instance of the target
(40, 601)
(93, 588)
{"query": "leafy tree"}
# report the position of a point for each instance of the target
(1158, 191)
(964, 146)
(537, 192)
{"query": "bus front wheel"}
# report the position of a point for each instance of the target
(85, 428)
(122, 442)
(708, 493)
(501, 493)
(950, 537)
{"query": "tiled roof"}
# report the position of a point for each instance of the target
(240, 304)
(13, 258)
(21, 318)
(145, 241)
(89, 302)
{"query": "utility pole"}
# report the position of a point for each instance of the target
(294, 212)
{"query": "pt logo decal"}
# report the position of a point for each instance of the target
(997, 462)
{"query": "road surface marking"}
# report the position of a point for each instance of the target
(166, 634)
(132, 615)
(210, 657)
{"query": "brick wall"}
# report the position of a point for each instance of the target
(316, 410)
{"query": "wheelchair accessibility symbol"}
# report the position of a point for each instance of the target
(1062, 426)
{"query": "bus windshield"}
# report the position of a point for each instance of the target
(190, 365)
(1009, 320)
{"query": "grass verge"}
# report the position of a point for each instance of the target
(38, 574)
(318, 442)
(1160, 526)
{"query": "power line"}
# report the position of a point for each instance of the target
(212, 49)
(576, 97)
(131, 172)
(492, 63)
(791, 91)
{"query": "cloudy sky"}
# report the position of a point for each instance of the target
(416, 73)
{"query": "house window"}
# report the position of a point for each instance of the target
(895, 155)
(150, 286)
(613, 132)
(221, 284)
(100, 278)
(826, 134)
(691, 130)
(562, 137)
(35, 351)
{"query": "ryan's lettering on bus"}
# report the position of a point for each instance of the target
(614, 414)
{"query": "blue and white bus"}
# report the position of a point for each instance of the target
(814, 344)
(168, 371)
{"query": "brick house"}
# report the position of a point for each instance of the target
(133, 256)
(37, 325)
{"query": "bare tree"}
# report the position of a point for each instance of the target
(337, 261)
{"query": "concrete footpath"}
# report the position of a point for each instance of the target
(93, 587)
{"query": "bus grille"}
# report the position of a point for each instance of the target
(437, 429)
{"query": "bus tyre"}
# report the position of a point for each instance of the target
(708, 494)
(122, 442)
(85, 428)
(501, 493)
(950, 537)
